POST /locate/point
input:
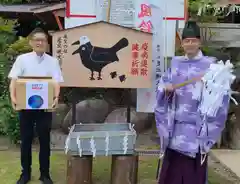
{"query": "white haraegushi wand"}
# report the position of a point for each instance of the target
(216, 84)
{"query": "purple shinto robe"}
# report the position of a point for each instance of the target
(187, 132)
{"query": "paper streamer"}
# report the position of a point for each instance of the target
(93, 146)
(125, 143)
(107, 144)
(131, 127)
(67, 144)
(79, 146)
(216, 84)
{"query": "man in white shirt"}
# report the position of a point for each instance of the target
(39, 64)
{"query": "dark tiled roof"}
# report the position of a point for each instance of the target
(24, 8)
(30, 8)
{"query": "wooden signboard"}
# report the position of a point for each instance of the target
(104, 55)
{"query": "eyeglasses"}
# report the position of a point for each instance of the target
(39, 40)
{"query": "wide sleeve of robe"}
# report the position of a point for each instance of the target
(161, 112)
(215, 125)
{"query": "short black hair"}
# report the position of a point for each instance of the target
(37, 30)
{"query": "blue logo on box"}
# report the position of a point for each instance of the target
(35, 101)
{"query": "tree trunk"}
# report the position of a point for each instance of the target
(233, 127)
(234, 130)
(124, 169)
(79, 170)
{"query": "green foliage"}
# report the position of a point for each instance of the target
(18, 47)
(207, 7)
(12, 1)
(6, 38)
(7, 25)
(9, 123)
(209, 51)
(28, 1)
(6, 35)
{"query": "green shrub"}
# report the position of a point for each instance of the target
(9, 123)
(10, 48)
(19, 47)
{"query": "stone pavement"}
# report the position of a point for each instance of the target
(229, 158)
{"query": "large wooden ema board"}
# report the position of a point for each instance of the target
(104, 55)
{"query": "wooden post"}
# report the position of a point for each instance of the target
(109, 11)
(60, 26)
(124, 169)
(79, 170)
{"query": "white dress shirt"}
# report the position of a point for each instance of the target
(30, 64)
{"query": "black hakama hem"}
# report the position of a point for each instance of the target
(181, 169)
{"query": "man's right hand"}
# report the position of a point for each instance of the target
(169, 88)
(14, 102)
(169, 91)
(12, 88)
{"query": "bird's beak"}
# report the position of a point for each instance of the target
(76, 43)
(75, 52)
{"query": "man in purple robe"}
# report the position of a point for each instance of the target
(185, 136)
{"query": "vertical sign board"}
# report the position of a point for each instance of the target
(147, 19)
(164, 35)
(122, 12)
(102, 9)
(172, 11)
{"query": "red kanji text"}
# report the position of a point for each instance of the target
(134, 71)
(135, 55)
(144, 63)
(135, 47)
(135, 63)
(145, 11)
(144, 72)
(144, 55)
(146, 26)
(145, 46)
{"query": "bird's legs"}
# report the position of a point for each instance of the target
(99, 76)
(92, 78)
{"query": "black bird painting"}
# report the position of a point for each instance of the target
(96, 58)
(122, 78)
(113, 74)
